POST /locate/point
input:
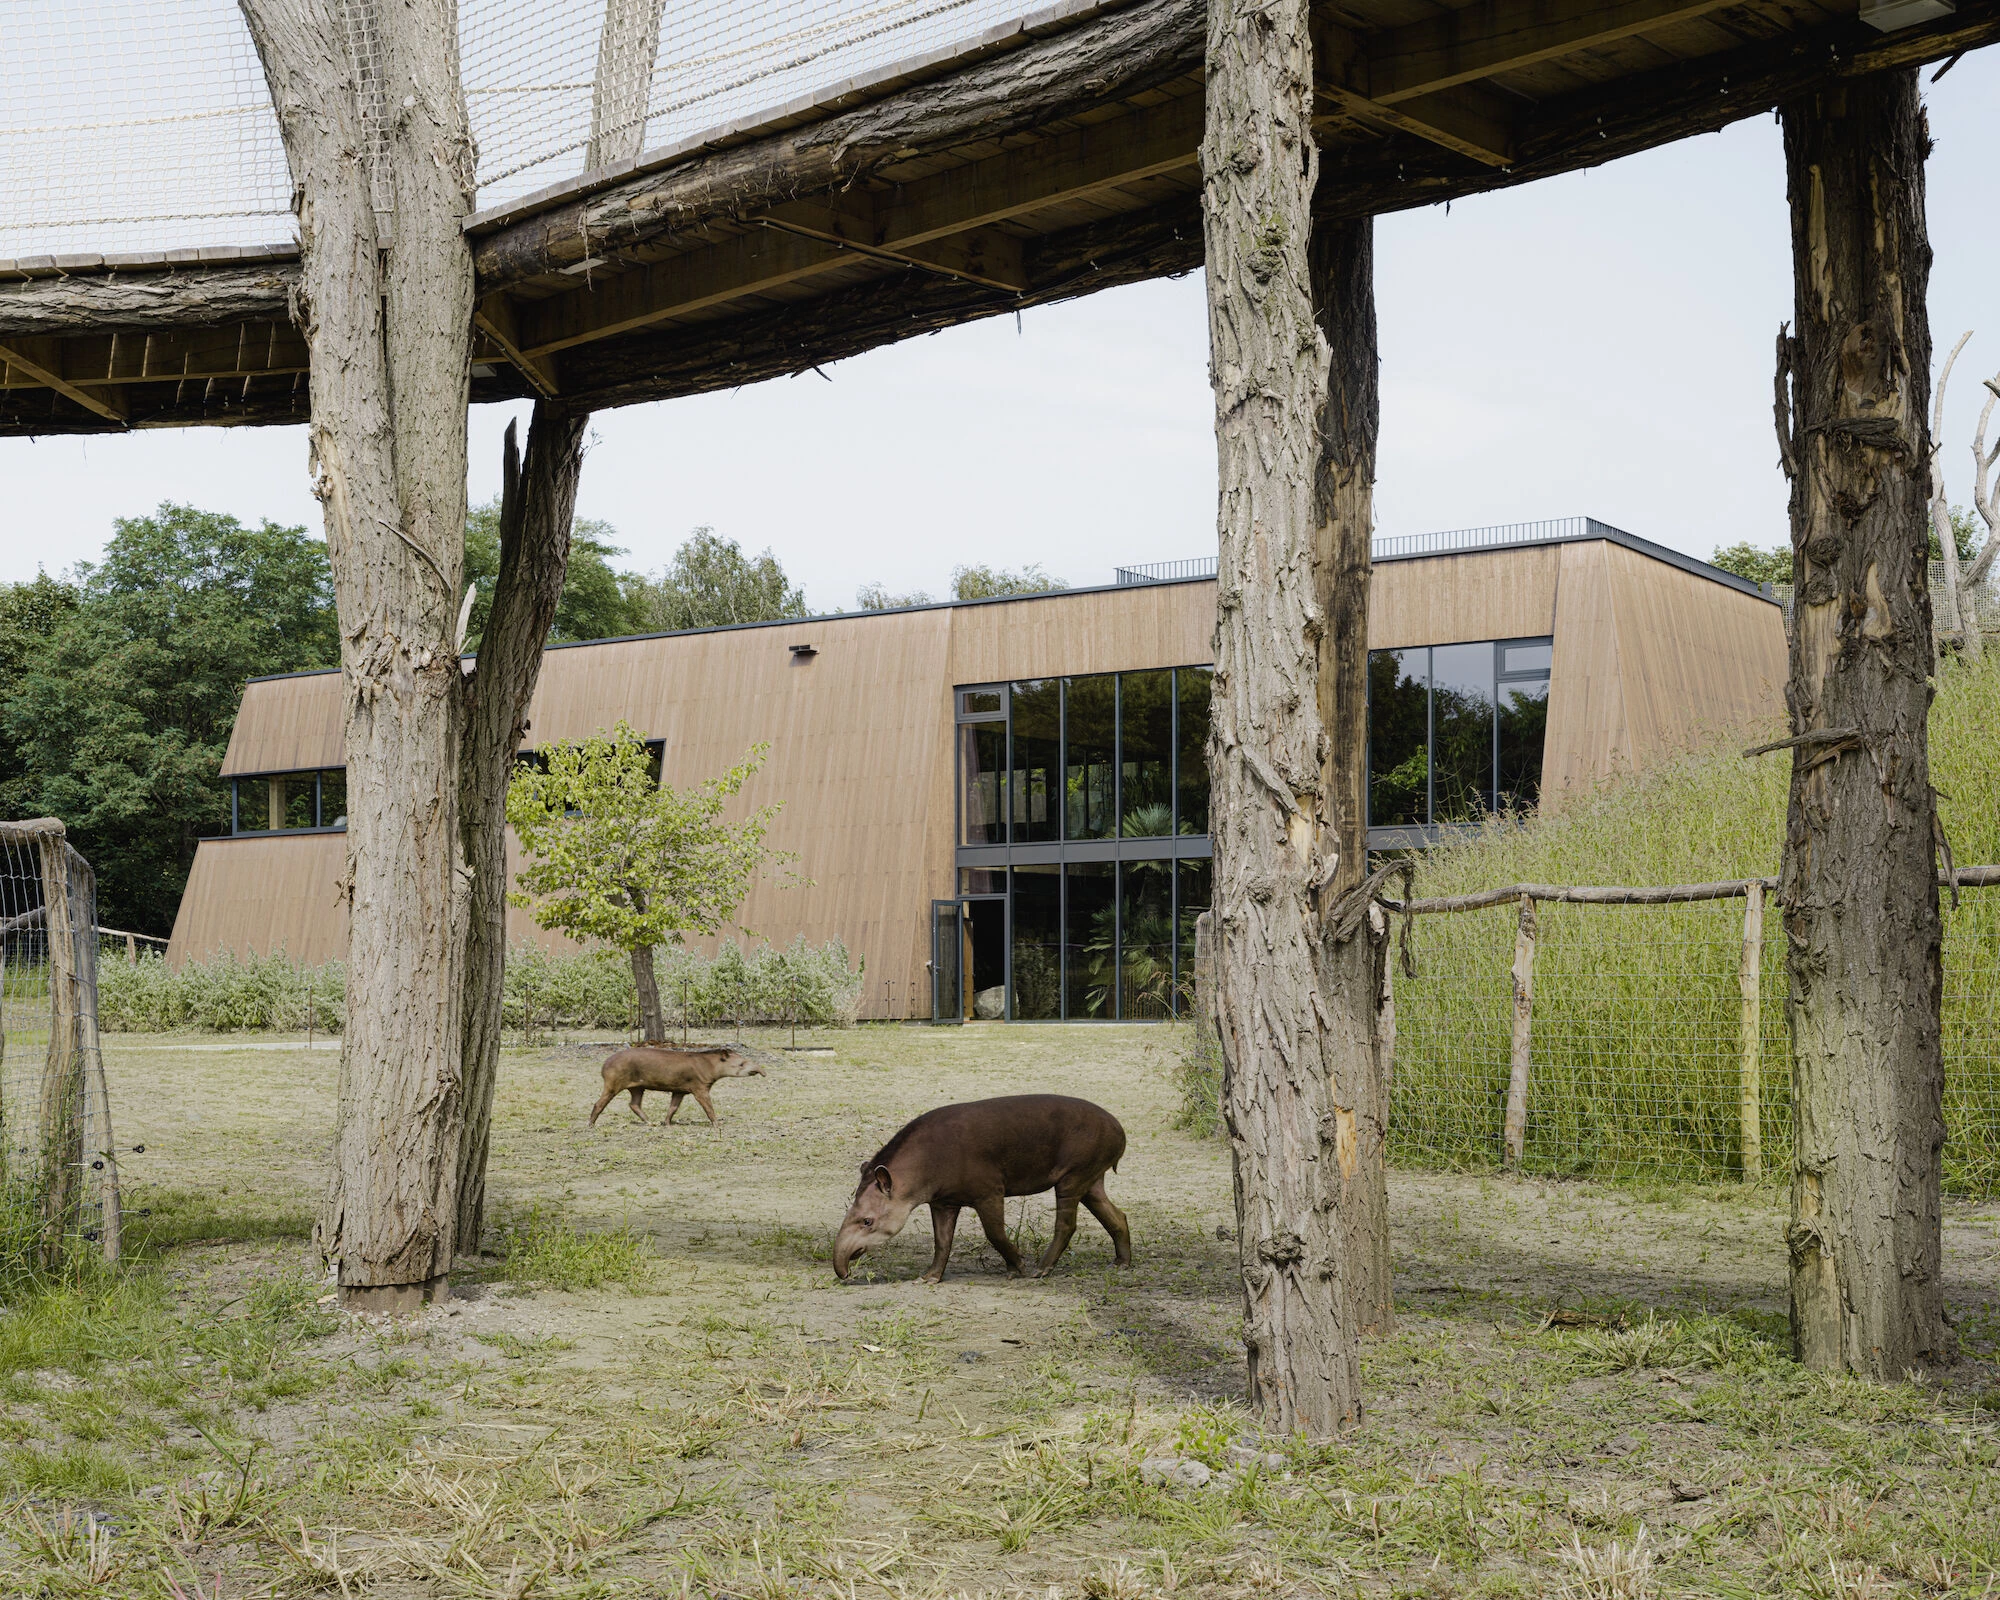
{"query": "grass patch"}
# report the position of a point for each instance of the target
(544, 1248)
(1195, 1071)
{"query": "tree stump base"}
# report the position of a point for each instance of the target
(394, 1299)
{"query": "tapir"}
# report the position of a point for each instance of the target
(672, 1071)
(977, 1154)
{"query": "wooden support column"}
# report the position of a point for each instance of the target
(1858, 888)
(1293, 1137)
(1353, 954)
(1750, 1037)
(1514, 1137)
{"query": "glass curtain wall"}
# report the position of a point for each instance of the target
(1455, 731)
(1095, 778)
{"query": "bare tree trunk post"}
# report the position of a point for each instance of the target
(1750, 1036)
(1957, 612)
(1858, 887)
(373, 116)
(1293, 1136)
(1514, 1135)
(64, 1076)
(1353, 977)
(534, 560)
(537, 507)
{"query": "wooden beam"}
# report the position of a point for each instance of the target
(942, 223)
(107, 302)
(496, 316)
(248, 349)
(618, 302)
(41, 361)
(1493, 36)
(1461, 120)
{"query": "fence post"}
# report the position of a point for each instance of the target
(1750, 1037)
(1516, 1130)
(1204, 983)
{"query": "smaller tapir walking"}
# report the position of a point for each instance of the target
(977, 1154)
(677, 1072)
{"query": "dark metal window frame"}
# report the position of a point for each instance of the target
(1062, 850)
(1404, 836)
(319, 823)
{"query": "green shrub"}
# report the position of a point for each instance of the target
(1195, 1071)
(225, 994)
(1636, 1009)
(812, 984)
(543, 1247)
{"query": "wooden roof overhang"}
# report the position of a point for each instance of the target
(1048, 159)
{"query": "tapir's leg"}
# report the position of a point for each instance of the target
(944, 1223)
(603, 1100)
(993, 1218)
(1113, 1220)
(638, 1099)
(1059, 1240)
(674, 1105)
(701, 1099)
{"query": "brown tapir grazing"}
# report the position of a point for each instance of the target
(677, 1072)
(976, 1155)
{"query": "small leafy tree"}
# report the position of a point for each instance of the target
(713, 584)
(615, 854)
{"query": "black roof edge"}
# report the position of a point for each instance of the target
(1610, 535)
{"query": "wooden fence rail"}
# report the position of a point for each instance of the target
(1750, 1023)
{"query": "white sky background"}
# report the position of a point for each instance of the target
(1594, 344)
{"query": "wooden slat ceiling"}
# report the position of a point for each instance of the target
(1065, 164)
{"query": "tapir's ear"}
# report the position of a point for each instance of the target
(881, 1179)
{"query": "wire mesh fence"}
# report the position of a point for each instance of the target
(133, 127)
(1654, 1040)
(58, 1166)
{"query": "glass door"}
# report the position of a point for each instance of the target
(947, 962)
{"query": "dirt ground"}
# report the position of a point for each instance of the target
(736, 1423)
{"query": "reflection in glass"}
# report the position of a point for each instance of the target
(982, 880)
(300, 801)
(1192, 686)
(1398, 737)
(1537, 655)
(1034, 783)
(1089, 776)
(333, 799)
(1146, 754)
(1461, 731)
(1195, 878)
(982, 782)
(978, 702)
(1524, 719)
(1090, 940)
(1146, 940)
(1037, 943)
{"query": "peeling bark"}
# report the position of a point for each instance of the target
(373, 117)
(1858, 887)
(537, 507)
(1294, 1139)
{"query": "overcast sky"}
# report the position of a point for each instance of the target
(1598, 344)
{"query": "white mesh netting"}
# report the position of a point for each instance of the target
(139, 126)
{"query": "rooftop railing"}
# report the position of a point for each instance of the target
(1396, 546)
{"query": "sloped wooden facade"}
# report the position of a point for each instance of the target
(1651, 654)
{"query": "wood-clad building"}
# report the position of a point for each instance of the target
(1016, 787)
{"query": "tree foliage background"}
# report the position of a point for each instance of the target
(121, 684)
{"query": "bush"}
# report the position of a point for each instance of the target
(818, 985)
(224, 994)
(543, 1247)
(1196, 1073)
